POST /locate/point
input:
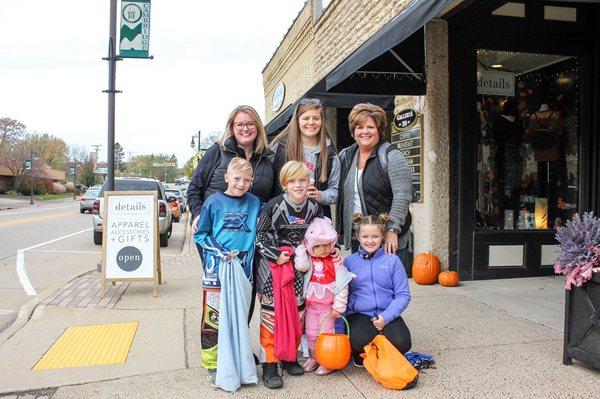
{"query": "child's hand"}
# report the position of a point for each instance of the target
(336, 254)
(230, 255)
(284, 257)
(335, 314)
(378, 322)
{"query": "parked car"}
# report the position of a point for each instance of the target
(180, 197)
(87, 200)
(165, 223)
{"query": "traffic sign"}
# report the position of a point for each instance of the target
(27, 164)
(163, 164)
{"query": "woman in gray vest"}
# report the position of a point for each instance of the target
(375, 179)
(305, 139)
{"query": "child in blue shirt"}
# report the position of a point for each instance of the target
(227, 228)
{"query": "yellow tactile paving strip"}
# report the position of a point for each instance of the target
(94, 345)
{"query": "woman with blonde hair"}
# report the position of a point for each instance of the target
(244, 136)
(305, 139)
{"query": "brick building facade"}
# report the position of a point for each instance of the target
(440, 58)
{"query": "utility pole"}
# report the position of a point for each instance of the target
(129, 162)
(96, 146)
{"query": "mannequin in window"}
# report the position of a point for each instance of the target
(544, 133)
(545, 128)
(508, 132)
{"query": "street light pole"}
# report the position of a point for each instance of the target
(112, 72)
(74, 176)
(193, 144)
(31, 180)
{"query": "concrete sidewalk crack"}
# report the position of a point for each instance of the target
(353, 384)
(185, 339)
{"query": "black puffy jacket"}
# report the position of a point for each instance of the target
(209, 176)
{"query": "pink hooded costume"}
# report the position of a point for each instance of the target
(325, 282)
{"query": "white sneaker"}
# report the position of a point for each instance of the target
(212, 377)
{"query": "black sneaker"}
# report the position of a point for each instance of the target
(357, 361)
(271, 378)
(292, 368)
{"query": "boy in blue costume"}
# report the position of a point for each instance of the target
(226, 229)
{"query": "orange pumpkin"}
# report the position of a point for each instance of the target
(425, 268)
(448, 278)
(333, 350)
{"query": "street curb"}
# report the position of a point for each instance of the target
(186, 236)
(28, 309)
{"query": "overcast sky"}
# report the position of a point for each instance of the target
(208, 58)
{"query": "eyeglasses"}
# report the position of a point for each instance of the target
(240, 125)
(306, 101)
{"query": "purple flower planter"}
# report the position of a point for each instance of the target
(582, 323)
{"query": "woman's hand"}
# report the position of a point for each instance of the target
(314, 193)
(335, 314)
(284, 257)
(391, 242)
(378, 322)
(195, 224)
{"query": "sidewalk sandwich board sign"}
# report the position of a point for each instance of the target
(135, 29)
(130, 241)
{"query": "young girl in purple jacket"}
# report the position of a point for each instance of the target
(379, 293)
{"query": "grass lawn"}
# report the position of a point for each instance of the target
(47, 197)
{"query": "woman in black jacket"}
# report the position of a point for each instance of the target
(244, 137)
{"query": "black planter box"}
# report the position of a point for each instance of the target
(582, 323)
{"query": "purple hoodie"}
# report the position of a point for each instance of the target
(380, 286)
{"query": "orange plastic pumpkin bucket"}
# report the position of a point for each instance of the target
(333, 350)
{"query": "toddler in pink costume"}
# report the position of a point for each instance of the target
(325, 284)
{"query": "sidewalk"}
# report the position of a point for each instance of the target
(14, 202)
(481, 350)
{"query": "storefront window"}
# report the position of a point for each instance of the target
(527, 145)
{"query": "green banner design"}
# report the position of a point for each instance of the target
(135, 29)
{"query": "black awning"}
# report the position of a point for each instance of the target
(333, 100)
(412, 18)
(347, 100)
(279, 122)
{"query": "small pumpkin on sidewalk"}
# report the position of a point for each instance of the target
(425, 268)
(448, 278)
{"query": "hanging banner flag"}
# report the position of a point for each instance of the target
(135, 29)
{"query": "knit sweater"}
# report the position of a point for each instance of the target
(380, 286)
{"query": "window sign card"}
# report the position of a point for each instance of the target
(130, 239)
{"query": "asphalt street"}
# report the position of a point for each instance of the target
(44, 244)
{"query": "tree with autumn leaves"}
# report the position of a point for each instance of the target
(17, 145)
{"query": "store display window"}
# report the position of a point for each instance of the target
(527, 144)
